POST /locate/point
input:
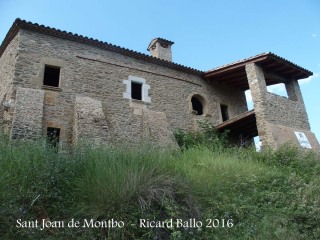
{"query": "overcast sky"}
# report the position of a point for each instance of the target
(206, 33)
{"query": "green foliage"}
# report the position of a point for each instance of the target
(264, 195)
(133, 184)
(206, 135)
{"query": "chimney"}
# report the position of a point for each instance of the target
(161, 48)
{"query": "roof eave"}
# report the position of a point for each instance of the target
(255, 59)
(21, 24)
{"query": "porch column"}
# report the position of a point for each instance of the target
(258, 88)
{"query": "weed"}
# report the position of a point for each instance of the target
(270, 194)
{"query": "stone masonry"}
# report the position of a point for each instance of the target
(28, 113)
(157, 129)
(278, 117)
(89, 121)
(108, 94)
(161, 48)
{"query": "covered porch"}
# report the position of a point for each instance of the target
(255, 74)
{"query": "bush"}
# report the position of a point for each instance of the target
(37, 182)
(133, 185)
(268, 194)
(207, 136)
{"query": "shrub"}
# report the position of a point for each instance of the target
(132, 185)
(207, 136)
(268, 194)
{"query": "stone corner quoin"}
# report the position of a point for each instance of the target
(67, 87)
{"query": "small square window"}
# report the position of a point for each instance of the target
(136, 90)
(51, 76)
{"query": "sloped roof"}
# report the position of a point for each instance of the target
(255, 59)
(162, 40)
(22, 24)
(232, 74)
(278, 68)
(243, 124)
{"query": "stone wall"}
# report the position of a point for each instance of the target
(162, 52)
(92, 99)
(278, 117)
(258, 89)
(91, 72)
(28, 114)
(233, 98)
(284, 134)
(89, 121)
(7, 70)
(157, 130)
(286, 112)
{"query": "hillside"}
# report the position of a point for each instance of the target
(204, 191)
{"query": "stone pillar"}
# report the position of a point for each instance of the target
(278, 119)
(293, 90)
(258, 88)
(294, 94)
(257, 82)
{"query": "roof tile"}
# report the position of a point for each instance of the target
(22, 24)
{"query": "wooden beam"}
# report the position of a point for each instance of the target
(275, 77)
(277, 68)
(228, 76)
(268, 64)
(237, 118)
(234, 66)
(292, 70)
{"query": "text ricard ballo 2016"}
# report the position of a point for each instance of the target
(112, 223)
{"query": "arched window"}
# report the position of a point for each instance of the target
(197, 105)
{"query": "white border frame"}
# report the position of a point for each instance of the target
(145, 88)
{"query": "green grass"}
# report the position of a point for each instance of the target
(267, 195)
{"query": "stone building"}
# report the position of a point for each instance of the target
(67, 87)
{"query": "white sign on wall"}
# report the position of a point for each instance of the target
(303, 140)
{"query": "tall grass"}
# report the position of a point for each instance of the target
(271, 194)
(37, 182)
(131, 184)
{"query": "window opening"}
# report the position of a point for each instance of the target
(53, 135)
(278, 89)
(136, 90)
(197, 106)
(249, 99)
(51, 76)
(224, 112)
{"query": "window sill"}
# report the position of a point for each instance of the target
(57, 89)
(138, 104)
(193, 112)
(139, 101)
